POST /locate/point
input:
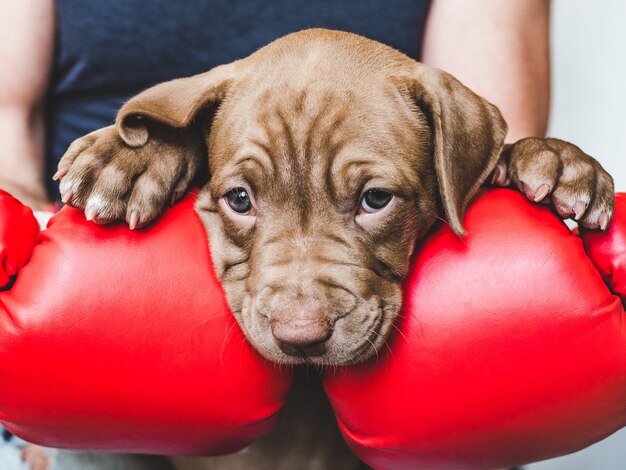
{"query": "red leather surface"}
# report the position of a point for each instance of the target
(18, 233)
(114, 339)
(608, 250)
(511, 349)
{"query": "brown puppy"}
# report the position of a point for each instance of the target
(329, 155)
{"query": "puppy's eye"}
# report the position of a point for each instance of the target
(375, 199)
(239, 200)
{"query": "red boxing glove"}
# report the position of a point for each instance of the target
(608, 250)
(510, 349)
(122, 340)
(18, 234)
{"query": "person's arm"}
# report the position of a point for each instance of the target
(499, 49)
(26, 47)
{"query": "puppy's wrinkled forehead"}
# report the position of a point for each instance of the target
(310, 125)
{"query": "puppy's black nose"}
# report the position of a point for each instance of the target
(302, 338)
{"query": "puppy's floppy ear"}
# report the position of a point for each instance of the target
(468, 135)
(175, 103)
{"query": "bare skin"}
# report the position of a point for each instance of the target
(36, 457)
(501, 50)
(26, 45)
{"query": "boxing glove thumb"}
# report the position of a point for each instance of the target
(18, 235)
(607, 250)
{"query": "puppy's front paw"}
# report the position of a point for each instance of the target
(555, 172)
(111, 181)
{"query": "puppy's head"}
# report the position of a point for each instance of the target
(329, 156)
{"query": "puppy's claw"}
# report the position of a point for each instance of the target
(61, 172)
(133, 220)
(604, 221)
(176, 197)
(67, 197)
(496, 175)
(579, 209)
(541, 192)
(90, 213)
(499, 177)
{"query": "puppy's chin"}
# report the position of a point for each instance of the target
(357, 337)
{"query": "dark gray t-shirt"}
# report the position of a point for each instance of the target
(107, 51)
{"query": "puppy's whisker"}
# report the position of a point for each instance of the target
(209, 317)
(374, 348)
(393, 357)
(411, 319)
(393, 325)
(223, 346)
(384, 342)
(242, 344)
